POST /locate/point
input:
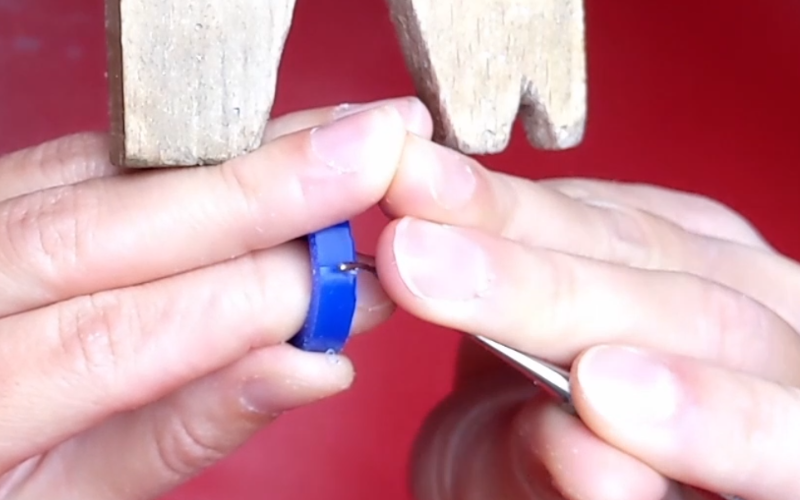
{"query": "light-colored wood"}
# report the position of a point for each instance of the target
(192, 81)
(474, 62)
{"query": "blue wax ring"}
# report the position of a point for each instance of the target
(333, 291)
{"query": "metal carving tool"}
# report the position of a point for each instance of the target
(553, 379)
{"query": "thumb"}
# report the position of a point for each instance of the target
(172, 440)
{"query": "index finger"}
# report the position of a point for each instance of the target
(83, 156)
(119, 231)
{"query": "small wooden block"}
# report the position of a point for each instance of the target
(192, 82)
(474, 62)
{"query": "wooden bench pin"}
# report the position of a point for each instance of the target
(477, 63)
(192, 82)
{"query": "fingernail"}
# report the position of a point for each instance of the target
(345, 145)
(452, 178)
(624, 226)
(414, 113)
(279, 378)
(348, 109)
(628, 386)
(440, 262)
(267, 396)
(371, 295)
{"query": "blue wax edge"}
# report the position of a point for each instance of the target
(333, 291)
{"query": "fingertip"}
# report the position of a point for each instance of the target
(281, 378)
(374, 304)
(435, 182)
(416, 117)
(580, 465)
(442, 185)
(368, 144)
(316, 177)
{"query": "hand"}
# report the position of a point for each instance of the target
(678, 320)
(143, 314)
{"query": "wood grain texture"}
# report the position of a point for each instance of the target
(192, 82)
(474, 64)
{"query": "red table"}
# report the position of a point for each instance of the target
(696, 95)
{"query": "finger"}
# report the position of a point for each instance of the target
(69, 366)
(174, 439)
(66, 160)
(115, 232)
(549, 442)
(80, 157)
(729, 249)
(697, 423)
(580, 465)
(465, 448)
(693, 212)
(441, 185)
(416, 117)
(556, 305)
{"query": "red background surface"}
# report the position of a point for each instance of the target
(696, 95)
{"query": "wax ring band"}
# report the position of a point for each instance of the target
(333, 291)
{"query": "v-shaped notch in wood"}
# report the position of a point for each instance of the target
(192, 82)
(478, 63)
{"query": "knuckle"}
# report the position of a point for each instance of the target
(242, 187)
(248, 193)
(736, 310)
(183, 448)
(58, 160)
(46, 229)
(571, 187)
(76, 157)
(642, 240)
(97, 333)
(555, 303)
(718, 218)
(625, 234)
(253, 294)
(263, 275)
(732, 316)
(629, 237)
(513, 219)
(757, 420)
(638, 238)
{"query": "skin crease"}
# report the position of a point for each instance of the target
(637, 288)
